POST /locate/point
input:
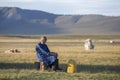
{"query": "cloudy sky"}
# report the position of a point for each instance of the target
(105, 7)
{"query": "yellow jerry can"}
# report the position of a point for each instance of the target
(71, 66)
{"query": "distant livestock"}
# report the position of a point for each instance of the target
(88, 44)
(112, 41)
(12, 51)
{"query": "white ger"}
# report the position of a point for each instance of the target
(88, 44)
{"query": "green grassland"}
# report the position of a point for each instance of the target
(102, 63)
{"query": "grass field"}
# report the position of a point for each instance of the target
(102, 63)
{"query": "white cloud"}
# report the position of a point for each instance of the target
(16, 1)
(58, 1)
(55, 1)
(68, 6)
(50, 1)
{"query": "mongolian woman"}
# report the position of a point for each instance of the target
(44, 54)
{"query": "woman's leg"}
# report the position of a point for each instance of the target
(54, 54)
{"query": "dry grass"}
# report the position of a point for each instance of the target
(102, 63)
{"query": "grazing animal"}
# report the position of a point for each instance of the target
(112, 41)
(88, 44)
(12, 51)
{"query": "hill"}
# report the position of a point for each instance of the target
(14, 20)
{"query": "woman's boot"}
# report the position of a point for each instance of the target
(55, 65)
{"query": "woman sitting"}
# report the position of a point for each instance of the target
(44, 54)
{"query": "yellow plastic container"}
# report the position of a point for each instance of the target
(71, 66)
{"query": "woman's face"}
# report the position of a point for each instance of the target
(43, 40)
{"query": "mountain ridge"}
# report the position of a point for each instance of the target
(15, 20)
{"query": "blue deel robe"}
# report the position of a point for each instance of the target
(43, 54)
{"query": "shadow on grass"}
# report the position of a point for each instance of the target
(80, 68)
(17, 66)
(94, 68)
(99, 68)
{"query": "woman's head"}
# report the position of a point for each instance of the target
(43, 39)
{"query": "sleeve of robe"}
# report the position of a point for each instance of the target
(41, 53)
(44, 56)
